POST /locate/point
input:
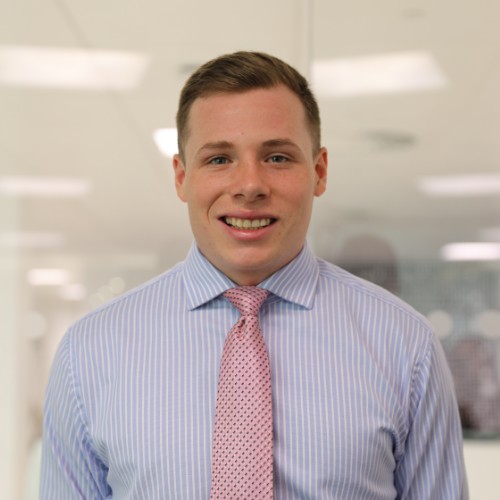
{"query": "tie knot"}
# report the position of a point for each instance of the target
(247, 299)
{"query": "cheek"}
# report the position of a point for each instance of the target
(201, 199)
(299, 193)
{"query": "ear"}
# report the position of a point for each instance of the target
(321, 167)
(180, 176)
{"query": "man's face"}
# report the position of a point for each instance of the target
(249, 180)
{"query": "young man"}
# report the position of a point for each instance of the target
(360, 395)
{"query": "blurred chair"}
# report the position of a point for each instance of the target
(473, 362)
(371, 258)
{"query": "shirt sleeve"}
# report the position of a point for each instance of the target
(432, 466)
(70, 467)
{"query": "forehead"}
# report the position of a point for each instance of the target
(265, 109)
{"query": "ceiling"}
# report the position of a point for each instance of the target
(131, 223)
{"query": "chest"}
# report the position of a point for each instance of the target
(338, 416)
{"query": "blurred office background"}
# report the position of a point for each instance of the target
(410, 97)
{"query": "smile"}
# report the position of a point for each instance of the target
(247, 223)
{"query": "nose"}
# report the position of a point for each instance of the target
(250, 180)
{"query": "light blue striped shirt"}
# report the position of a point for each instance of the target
(363, 399)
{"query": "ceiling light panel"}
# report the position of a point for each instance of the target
(461, 185)
(44, 187)
(48, 277)
(27, 239)
(166, 141)
(71, 68)
(377, 74)
(460, 252)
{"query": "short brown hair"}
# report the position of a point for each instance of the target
(239, 72)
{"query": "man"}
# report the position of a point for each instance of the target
(362, 401)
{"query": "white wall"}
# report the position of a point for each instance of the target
(9, 358)
(482, 461)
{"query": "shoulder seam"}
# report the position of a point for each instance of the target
(167, 274)
(408, 311)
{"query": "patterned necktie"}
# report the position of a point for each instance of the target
(242, 453)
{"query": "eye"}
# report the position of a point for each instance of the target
(218, 160)
(278, 159)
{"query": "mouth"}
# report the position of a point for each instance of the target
(248, 224)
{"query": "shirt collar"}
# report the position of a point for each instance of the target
(296, 282)
(203, 281)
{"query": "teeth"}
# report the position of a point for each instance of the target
(247, 223)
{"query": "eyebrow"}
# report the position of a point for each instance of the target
(209, 146)
(271, 143)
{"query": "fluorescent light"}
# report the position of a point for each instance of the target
(166, 141)
(48, 277)
(471, 251)
(27, 66)
(461, 185)
(46, 187)
(29, 239)
(376, 74)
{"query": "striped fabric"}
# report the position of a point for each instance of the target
(363, 400)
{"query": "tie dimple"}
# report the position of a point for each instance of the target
(247, 299)
(242, 453)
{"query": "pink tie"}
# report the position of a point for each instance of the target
(242, 453)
